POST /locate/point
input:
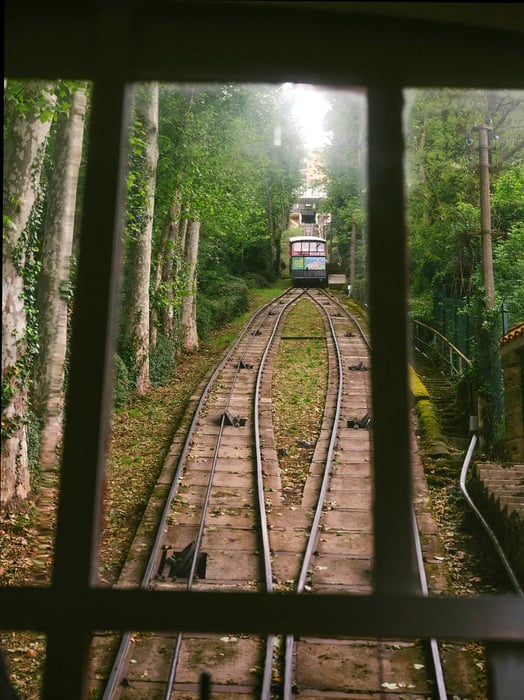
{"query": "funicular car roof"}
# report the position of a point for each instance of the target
(295, 239)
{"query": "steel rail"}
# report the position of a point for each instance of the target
(198, 541)
(434, 651)
(287, 689)
(433, 645)
(265, 691)
(258, 454)
(348, 313)
(117, 667)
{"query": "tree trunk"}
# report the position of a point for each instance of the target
(168, 249)
(136, 305)
(182, 247)
(189, 325)
(161, 254)
(171, 246)
(55, 277)
(173, 251)
(24, 148)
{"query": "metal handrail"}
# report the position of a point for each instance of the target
(452, 351)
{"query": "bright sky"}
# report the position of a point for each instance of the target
(310, 107)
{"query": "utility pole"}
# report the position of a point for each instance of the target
(484, 410)
(485, 215)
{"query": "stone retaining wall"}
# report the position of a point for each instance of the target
(498, 492)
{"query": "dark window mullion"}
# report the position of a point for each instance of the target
(88, 397)
(505, 667)
(394, 568)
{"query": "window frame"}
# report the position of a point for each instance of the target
(114, 44)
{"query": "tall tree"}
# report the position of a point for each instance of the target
(135, 311)
(28, 119)
(189, 322)
(443, 186)
(344, 168)
(216, 156)
(282, 172)
(175, 110)
(55, 282)
(170, 248)
(446, 255)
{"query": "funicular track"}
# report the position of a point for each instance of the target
(225, 526)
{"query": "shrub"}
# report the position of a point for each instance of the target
(121, 383)
(255, 280)
(162, 360)
(220, 300)
(33, 440)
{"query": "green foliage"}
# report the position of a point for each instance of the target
(444, 215)
(32, 98)
(162, 360)
(216, 150)
(33, 440)
(137, 190)
(127, 355)
(508, 250)
(29, 266)
(255, 280)
(486, 372)
(507, 199)
(122, 385)
(345, 184)
(220, 300)
(421, 307)
(26, 254)
(444, 190)
(508, 270)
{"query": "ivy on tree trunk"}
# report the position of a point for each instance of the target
(189, 324)
(55, 283)
(135, 310)
(27, 131)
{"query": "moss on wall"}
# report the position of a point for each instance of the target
(428, 421)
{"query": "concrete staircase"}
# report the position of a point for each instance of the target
(497, 489)
(443, 393)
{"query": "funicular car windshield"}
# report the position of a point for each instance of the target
(305, 247)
